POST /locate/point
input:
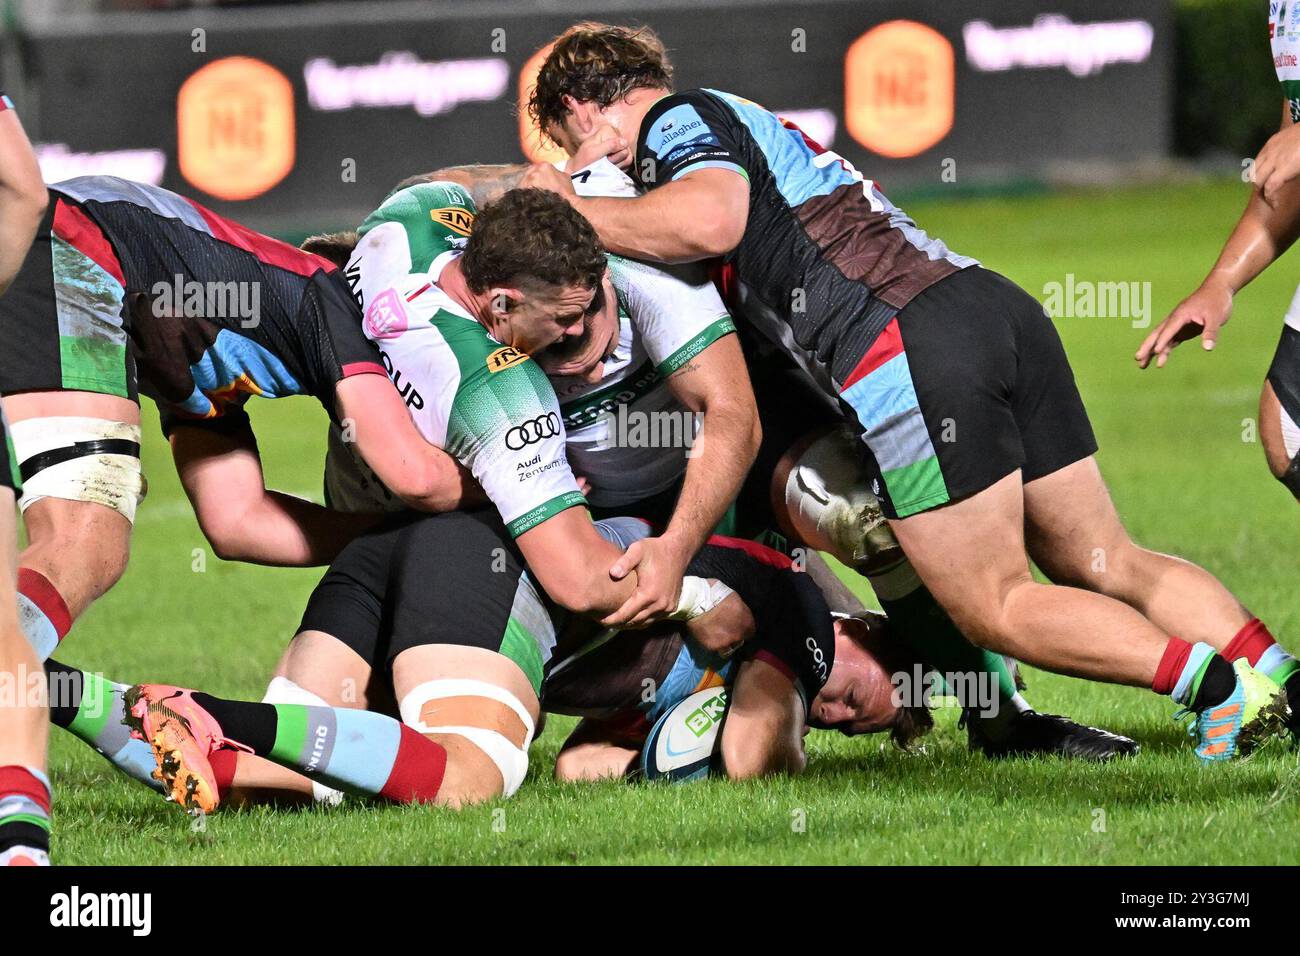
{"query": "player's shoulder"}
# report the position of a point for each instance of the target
(481, 359)
(431, 218)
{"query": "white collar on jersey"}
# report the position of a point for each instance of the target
(601, 178)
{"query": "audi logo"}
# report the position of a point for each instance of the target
(543, 426)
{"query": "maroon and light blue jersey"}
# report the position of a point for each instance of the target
(826, 261)
(208, 311)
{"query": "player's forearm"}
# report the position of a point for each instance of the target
(658, 226)
(1260, 237)
(721, 455)
(569, 558)
(484, 182)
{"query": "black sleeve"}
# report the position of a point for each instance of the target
(339, 348)
(687, 131)
(794, 628)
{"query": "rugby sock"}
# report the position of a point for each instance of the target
(352, 750)
(41, 612)
(926, 628)
(1194, 675)
(24, 817)
(90, 707)
(1264, 653)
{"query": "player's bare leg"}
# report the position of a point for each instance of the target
(477, 704)
(971, 554)
(24, 788)
(77, 549)
(1281, 440)
(1076, 536)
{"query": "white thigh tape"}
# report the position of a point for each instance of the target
(512, 761)
(112, 480)
(281, 690)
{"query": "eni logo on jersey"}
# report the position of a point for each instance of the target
(505, 357)
(235, 127)
(899, 88)
(459, 221)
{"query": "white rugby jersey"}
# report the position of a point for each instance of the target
(488, 405)
(626, 431)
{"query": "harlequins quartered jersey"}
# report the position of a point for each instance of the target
(488, 405)
(627, 433)
(826, 260)
(210, 311)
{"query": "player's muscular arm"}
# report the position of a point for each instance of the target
(424, 476)
(716, 385)
(1266, 229)
(243, 520)
(484, 182)
(568, 557)
(699, 216)
(22, 196)
(763, 733)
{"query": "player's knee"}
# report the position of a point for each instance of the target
(485, 729)
(826, 499)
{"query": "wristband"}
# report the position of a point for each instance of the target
(699, 596)
(5, 103)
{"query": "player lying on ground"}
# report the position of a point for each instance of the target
(460, 648)
(1267, 228)
(627, 391)
(972, 425)
(24, 787)
(389, 611)
(130, 288)
(794, 675)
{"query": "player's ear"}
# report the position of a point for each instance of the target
(584, 115)
(503, 302)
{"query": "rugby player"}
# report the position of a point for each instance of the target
(1267, 228)
(128, 289)
(807, 480)
(24, 787)
(978, 443)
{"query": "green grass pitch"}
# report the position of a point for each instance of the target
(1183, 476)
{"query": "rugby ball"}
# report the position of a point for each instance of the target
(685, 743)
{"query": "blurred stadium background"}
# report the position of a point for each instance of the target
(259, 108)
(1102, 139)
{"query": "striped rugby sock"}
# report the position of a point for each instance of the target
(24, 817)
(1262, 652)
(42, 614)
(90, 707)
(351, 750)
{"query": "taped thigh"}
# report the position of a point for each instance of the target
(510, 759)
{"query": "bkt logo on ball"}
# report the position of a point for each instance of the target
(543, 426)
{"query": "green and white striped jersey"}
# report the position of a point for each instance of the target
(1284, 36)
(625, 431)
(488, 405)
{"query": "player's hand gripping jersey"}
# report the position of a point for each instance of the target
(667, 316)
(826, 260)
(131, 288)
(486, 404)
